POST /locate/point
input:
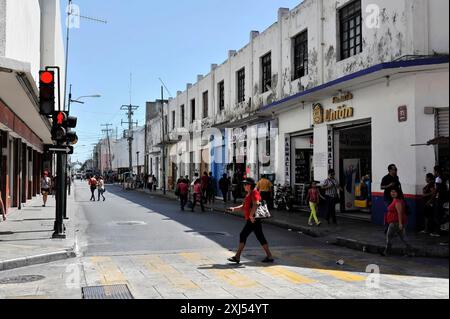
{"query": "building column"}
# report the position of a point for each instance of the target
(30, 172)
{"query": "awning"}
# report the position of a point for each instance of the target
(442, 140)
(19, 92)
(377, 73)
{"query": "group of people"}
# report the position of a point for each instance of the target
(203, 190)
(97, 183)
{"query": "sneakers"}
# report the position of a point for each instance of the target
(310, 224)
(435, 235)
(319, 224)
(268, 260)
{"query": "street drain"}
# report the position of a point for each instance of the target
(131, 223)
(211, 233)
(107, 292)
(20, 279)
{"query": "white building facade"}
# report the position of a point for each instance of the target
(350, 85)
(30, 40)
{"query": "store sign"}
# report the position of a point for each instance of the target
(345, 97)
(320, 115)
(403, 114)
(287, 158)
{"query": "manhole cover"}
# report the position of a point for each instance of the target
(131, 223)
(20, 279)
(107, 292)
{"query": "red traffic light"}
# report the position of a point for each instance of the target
(60, 118)
(47, 77)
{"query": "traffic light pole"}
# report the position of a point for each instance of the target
(60, 203)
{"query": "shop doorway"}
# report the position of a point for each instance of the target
(302, 170)
(354, 159)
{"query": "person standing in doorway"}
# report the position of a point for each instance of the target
(101, 188)
(397, 220)
(224, 187)
(93, 186)
(251, 202)
(313, 198)
(264, 186)
(428, 200)
(332, 189)
(46, 185)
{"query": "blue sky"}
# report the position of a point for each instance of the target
(173, 39)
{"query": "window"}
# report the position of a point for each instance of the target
(192, 111)
(300, 43)
(221, 90)
(205, 104)
(241, 85)
(266, 65)
(173, 119)
(182, 112)
(166, 125)
(350, 29)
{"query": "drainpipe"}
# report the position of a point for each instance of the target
(321, 43)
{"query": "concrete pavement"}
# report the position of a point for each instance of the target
(147, 243)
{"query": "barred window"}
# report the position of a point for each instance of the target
(266, 66)
(221, 90)
(205, 104)
(192, 111)
(241, 85)
(351, 29)
(182, 112)
(300, 43)
(173, 119)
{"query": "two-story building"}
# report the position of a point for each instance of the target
(353, 85)
(30, 39)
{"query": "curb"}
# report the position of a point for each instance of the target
(433, 252)
(36, 260)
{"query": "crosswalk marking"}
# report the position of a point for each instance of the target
(281, 272)
(158, 265)
(230, 276)
(315, 266)
(110, 273)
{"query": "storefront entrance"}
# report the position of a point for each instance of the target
(353, 162)
(302, 170)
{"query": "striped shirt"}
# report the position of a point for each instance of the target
(333, 191)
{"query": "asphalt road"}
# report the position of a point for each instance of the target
(148, 244)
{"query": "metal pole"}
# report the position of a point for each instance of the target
(59, 222)
(130, 140)
(163, 141)
(69, 12)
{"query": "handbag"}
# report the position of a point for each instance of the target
(262, 212)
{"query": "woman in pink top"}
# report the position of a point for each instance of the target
(397, 220)
(198, 196)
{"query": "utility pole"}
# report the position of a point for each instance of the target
(163, 122)
(107, 131)
(130, 112)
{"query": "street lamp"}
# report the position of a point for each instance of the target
(78, 99)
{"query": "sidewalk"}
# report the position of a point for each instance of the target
(349, 233)
(25, 237)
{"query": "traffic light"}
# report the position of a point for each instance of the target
(46, 92)
(62, 125)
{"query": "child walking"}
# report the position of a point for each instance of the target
(313, 199)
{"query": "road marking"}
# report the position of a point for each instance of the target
(230, 276)
(283, 273)
(306, 262)
(110, 273)
(158, 265)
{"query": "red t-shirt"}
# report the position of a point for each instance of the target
(313, 195)
(254, 196)
(392, 215)
(183, 187)
(205, 182)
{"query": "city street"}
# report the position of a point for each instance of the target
(148, 244)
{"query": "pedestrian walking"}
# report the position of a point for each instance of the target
(183, 191)
(211, 189)
(92, 182)
(101, 188)
(332, 198)
(198, 196)
(249, 207)
(2, 208)
(204, 184)
(46, 185)
(264, 186)
(397, 220)
(313, 198)
(428, 201)
(150, 182)
(224, 187)
(439, 198)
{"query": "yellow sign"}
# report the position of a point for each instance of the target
(320, 116)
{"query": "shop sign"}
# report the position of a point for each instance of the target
(287, 158)
(343, 98)
(403, 114)
(320, 115)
